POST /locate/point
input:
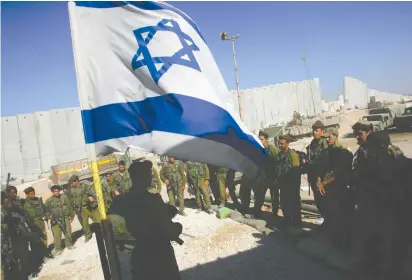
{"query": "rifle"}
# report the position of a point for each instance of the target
(8, 180)
(62, 223)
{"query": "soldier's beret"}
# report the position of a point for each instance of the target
(363, 126)
(73, 178)
(318, 124)
(55, 187)
(29, 190)
(331, 131)
(287, 137)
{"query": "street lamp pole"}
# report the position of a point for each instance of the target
(224, 37)
(310, 83)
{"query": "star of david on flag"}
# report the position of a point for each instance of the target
(184, 56)
(147, 80)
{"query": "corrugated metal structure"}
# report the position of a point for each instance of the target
(32, 143)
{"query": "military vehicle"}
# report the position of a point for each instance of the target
(404, 122)
(387, 113)
(378, 121)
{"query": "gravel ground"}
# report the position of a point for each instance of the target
(219, 249)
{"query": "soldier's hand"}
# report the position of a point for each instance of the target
(91, 199)
(167, 182)
(116, 193)
(321, 188)
(183, 187)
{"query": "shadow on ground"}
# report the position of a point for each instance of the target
(275, 257)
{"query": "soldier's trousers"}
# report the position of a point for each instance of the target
(57, 234)
(221, 183)
(261, 187)
(319, 199)
(172, 192)
(338, 213)
(20, 270)
(201, 189)
(86, 214)
(290, 200)
(230, 184)
(39, 248)
(245, 193)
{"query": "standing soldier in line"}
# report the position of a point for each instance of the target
(173, 175)
(230, 184)
(316, 146)
(84, 204)
(213, 184)
(36, 211)
(287, 174)
(220, 179)
(198, 177)
(266, 178)
(15, 237)
(109, 189)
(122, 178)
(334, 169)
(156, 184)
(61, 215)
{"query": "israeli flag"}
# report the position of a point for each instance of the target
(148, 80)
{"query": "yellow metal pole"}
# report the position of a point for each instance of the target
(98, 190)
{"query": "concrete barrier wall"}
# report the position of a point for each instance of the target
(275, 104)
(32, 143)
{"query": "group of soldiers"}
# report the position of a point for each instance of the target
(362, 197)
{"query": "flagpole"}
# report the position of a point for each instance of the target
(104, 234)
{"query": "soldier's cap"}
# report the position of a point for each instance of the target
(379, 138)
(363, 126)
(318, 124)
(29, 190)
(55, 187)
(289, 138)
(331, 131)
(73, 178)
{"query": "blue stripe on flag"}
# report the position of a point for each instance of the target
(145, 5)
(173, 113)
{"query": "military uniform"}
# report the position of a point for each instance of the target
(336, 162)
(156, 184)
(266, 180)
(108, 189)
(198, 177)
(123, 181)
(36, 212)
(62, 214)
(288, 181)
(313, 151)
(175, 174)
(15, 236)
(79, 199)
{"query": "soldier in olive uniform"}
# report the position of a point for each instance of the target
(316, 146)
(83, 200)
(109, 188)
(122, 178)
(61, 215)
(198, 177)
(334, 167)
(266, 178)
(173, 175)
(288, 181)
(15, 236)
(36, 212)
(156, 184)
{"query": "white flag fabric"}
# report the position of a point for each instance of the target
(147, 79)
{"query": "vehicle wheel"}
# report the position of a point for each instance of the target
(376, 128)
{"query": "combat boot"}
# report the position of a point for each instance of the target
(182, 213)
(210, 211)
(56, 253)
